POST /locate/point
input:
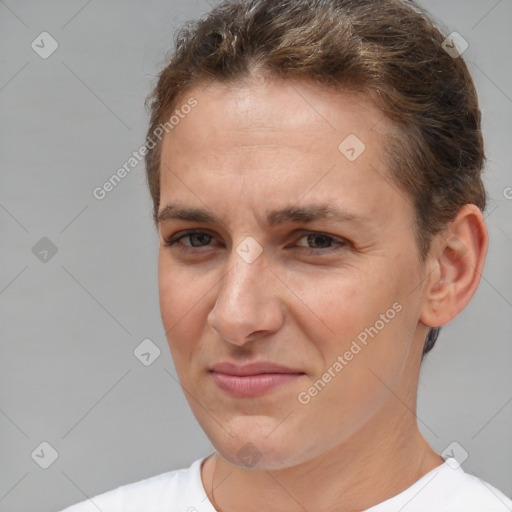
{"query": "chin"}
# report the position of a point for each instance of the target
(251, 455)
(259, 452)
(255, 441)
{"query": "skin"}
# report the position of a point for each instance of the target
(266, 144)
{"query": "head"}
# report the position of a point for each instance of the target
(267, 110)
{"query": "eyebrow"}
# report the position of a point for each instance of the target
(307, 213)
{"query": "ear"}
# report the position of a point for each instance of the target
(454, 267)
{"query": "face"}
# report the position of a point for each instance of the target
(304, 256)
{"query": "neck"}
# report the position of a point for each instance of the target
(384, 458)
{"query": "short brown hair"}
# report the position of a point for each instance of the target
(389, 49)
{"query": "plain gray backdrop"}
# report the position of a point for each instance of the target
(78, 276)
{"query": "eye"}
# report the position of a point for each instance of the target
(197, 238)
(322, 243)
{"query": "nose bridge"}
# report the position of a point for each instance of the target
(243, 304)
(242, 285)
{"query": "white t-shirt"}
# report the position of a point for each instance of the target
(447, 488)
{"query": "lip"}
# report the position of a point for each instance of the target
(252, 368)
(252, 379)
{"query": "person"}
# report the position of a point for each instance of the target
(315, 170)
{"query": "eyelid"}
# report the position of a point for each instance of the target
(337, 243)
(335, 238)
(183, 234)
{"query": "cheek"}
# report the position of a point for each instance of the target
(182, 298)
(344, 394)
(363, 313)
(336, 305)
(180, 289)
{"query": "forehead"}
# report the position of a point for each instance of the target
(273, 143)
(260, 105)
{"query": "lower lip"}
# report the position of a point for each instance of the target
(252, 385)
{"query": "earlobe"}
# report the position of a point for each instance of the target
(456, 265)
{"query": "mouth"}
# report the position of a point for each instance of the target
(252, 379)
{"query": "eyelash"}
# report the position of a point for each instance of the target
(173, 242)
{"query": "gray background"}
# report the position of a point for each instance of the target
(69, 325)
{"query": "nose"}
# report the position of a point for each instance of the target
(247, 305)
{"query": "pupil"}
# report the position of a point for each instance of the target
(316, 237)
(199, 235)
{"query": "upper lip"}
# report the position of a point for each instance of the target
(252, 368)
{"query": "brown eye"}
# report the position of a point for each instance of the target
(321, 243)
(199, 238)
